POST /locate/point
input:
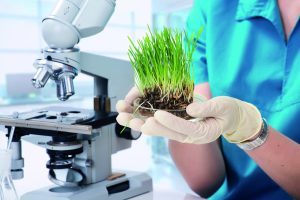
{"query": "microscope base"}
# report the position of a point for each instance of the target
(138, 183)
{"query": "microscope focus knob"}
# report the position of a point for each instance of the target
(127, 133)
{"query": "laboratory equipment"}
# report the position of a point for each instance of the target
(70, 21)
(7, 188)
(80, 142)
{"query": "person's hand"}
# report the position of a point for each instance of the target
(238, 121)
(125, 110)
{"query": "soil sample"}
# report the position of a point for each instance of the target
(152, 101)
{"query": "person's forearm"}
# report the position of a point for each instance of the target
(279, 157)
(203, 89)
(201, 165)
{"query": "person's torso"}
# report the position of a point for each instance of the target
(248, 58)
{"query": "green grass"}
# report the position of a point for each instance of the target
(161, 63)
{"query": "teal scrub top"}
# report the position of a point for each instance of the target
(243, 53)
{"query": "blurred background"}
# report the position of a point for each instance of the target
(20, 45)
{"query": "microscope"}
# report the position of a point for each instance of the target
(81, 141)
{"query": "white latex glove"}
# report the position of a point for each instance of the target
(125, 110)
(238, 121)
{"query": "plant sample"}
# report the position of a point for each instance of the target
(162, 68)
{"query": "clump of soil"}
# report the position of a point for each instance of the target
(153, 100)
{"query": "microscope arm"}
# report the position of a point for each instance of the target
(72, 20)
(113, 77)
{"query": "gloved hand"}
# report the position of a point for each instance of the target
(125, 110)
(238, 121)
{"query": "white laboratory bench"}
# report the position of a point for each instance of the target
(159, 194)
(167, 182)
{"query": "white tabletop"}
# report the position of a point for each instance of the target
(158, 194)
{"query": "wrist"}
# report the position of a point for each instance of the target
(255, 136)
(246, 125)
(257, 140)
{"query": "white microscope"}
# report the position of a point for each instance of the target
(81, 141)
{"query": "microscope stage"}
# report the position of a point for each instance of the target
(59, 119)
